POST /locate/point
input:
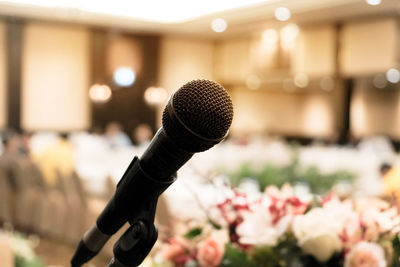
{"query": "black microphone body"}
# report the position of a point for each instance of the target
(144, 180)
(196, 118)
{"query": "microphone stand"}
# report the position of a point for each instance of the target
(135, 202)
(137, 241)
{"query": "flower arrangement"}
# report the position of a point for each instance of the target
(292, 173)
(22, 249)
(280, 227)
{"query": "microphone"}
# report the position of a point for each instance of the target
(198, 116)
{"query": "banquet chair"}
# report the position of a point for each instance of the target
(7, 167)
(29, 174)
(75, 207)
(49, 220)
(5, 198)
(26, 195)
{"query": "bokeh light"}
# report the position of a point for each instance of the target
(155, 95)
(100, 93)
(301, 80)
(373, 2)
(219, 25)
(393, 75)
(124, 76)
(282, 13)
(379, 81)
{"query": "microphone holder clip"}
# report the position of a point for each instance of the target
(138, 240)
(134, 245)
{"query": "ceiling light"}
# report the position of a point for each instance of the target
(124, 76)
(219, 25)
(373, 2)
(393, 75)
(100, 93)
(282, 13)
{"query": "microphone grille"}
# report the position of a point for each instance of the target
(204, 108)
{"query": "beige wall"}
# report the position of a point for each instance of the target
(375, 111)
(183, 60)
(55, 77)
(314, 53)
(272, 109)
(261, 111)
(369, 47)
(3, 102)
(309, 50)
(232, 60)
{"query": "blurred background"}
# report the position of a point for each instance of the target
(314, 84)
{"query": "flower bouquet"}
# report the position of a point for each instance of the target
(280, 227)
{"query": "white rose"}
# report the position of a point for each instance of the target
(366, 254)
(257, 228)
(378, 222)
(321, 245)
(318, 233)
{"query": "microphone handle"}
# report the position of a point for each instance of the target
(135, 192)
(163, 157)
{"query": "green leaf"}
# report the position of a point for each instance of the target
(396, 251)
(234, 257)
(292, 173)
(23, 262)
(193, 233)
(215, 225)
(266, 257)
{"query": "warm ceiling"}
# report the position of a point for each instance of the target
(240, 20)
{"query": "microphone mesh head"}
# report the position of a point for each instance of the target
(204, 108)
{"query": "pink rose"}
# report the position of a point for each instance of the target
(352, 231)
(175, 251)
(210, 252)
(366, 254)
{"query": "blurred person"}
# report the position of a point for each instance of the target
(391, 181)
(24, 143)
(17, 143)
(57, 158)
(115, 135)
(142, 134)
(1, 145)
(10, 156)
(96, 131)
(11, 143)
